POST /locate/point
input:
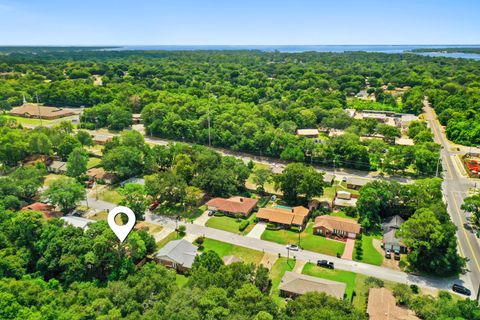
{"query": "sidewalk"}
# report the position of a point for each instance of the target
(348, 252)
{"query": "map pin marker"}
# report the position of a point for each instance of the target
(121, 231)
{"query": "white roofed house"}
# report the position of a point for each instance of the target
(308, 133)
(78, 222)
(178, 255)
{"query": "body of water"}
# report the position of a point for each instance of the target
(318, 48)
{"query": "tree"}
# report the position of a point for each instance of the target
(125, 161)
(209, 260)
(134, 197)
(260, 177)
(471, 204)
(299, 179)
(67, 145)
(65, 192)
(84, 137)
(166, 188)
(432, 244)
(389, 133)
(77, 163)
(40, 144)
(27, 180)
(119, 119)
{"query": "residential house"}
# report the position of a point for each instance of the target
(99, 174)
(344, 199)
(78, 222)
(101, 139)
(295, 284)
(233, 205)
(136, 118)
(382, 305)
(178, 255)
(307, 133)
(328, 178)
(356, 183)
(47, 210)
(390, 227)
(58, 167)
(331, 226)
(404, 142)
(284, 217)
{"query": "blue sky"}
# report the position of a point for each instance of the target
(267, 22)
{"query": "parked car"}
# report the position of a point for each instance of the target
(325, 264)
(461, 289)
(467, 226)
(292, 247)
(396, 255)
(388, 254)
(210, 213)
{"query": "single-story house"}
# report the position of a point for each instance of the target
(336, 226)
(390, 241)
(101, 139)
(177, 254)
(404, 141)
(233, 205)
(136, 118)
(58, 167)
(351, 112)
(95, 174)
(284, 217)
(328, 178)
(295, 284)
(356, 183)
(78, 222)
(382, 305)
(231, 259)
(344, 199)
(307, 133)
(31, 110)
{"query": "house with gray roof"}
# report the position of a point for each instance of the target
(177, 254)
(390, 227)
(78, 222)
(294, 285)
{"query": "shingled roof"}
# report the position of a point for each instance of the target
(300, 284)
(296, 215)
(337, 223)
(234, 204)
(382, 306)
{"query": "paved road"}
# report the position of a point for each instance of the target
(455, 189)
(275, 248)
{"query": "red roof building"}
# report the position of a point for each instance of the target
(233, 205)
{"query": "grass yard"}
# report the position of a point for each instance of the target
(370, 254)
(30, 121)
(343, 186)
(276, 274)
(328, 193)
(227, 249)
(50, 178)
(149, 227)
(230, 224)
(93, 162)
(308, 240)
(109, 194)
(342, 215)
(181, 280)
(269, 187)
(334, 275)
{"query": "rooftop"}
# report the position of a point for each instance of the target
(36, 110)
(296, 215)
(234, 204)
(307, 132)
(382, 306)
(78, 222)
(180, 251)
(337, 223)
(301, 284)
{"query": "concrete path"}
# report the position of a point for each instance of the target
(257, 230)
(202, 219)
(299, 266)
(348, 252)
(269, 259)
(162, 234)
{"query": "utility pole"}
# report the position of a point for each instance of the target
(209, 136)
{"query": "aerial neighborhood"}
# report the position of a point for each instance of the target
(267, 203)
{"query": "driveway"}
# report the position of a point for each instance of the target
(202, 219)
(348, 252)
(257, 230)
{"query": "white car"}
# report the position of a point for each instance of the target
(292, 247)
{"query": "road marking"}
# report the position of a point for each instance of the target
(466, 235)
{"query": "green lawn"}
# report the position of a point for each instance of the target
(269, 186)
(342, 215)
(110, 194)
(230, 224)
(343, 186)
(23, 120)
(276, 274)
(50, 178)
(308, 240)
(167, 239)
(334, 275)
(227, 249)
(370, 254)
(181, 280)
(93, 162)
(328, 193)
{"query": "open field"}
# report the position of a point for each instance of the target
(31, 121)
(227, 249)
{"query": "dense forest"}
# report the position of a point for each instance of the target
(450, 50)
(254, 101)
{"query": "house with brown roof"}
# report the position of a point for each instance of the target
(383, 306)
(30, 110)
(47, 210)
(295, 284)
(233, 205)
(96, 174)
(331, 226)
(284, 217)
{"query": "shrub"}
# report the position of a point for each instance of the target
(200, 240)
(373, 282)
(218, 214)
(182, 230)
(350, 211)
(243, 225)
(414, 288)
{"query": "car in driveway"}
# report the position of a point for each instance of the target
(461, 289)
(396, 255)
(210, 213)
(388, 254)
(325, 264)
(292, 247)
